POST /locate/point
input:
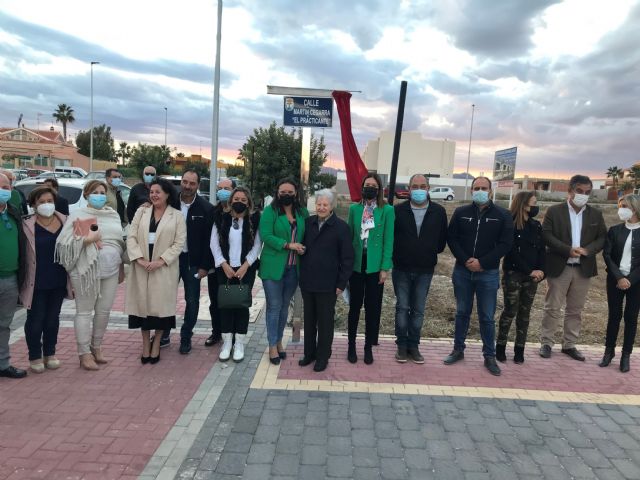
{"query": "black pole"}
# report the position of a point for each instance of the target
(396, 142)
(253, 162)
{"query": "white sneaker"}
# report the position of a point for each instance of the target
(238, 348)
(225, 352)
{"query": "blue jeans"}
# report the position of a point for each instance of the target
(43, 322)
(411, 291)
(191, 297)
(279, 294)
(484, 285)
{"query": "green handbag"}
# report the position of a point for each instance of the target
(234, 296)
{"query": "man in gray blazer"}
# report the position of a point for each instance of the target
(574, 233)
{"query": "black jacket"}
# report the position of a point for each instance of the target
(22, 245)
(527, 253)
(224, 223)
(614, 247)
(414, 251)
(199, 224)
(483, 234)
(139, 195)
(327, 263)
(62, 205)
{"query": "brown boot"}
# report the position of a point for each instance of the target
(88, 362)
(97, 354)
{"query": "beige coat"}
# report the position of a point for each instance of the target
(154, 294)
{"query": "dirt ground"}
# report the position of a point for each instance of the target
(440, 310)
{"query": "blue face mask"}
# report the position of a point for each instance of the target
(419, 196)
(116, 182)
(97, 200)
(5, 196)
(480, 197)
(148, 178)
(223, 195)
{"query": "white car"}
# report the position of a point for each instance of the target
(442, 193)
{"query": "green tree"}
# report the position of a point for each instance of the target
(236, 171)
(325, 180)
(201, 168)
(614, 173)
(634, 174)
(103, 148)
(124, 152)
(277, 155)
(64, 115)
(154, 155)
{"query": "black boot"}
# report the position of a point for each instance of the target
(351, 352)
(368, 355)
(609, 353)
(518, 354)
(500, 355)
(624, 362)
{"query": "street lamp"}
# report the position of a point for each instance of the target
(91, 134)
(165, 126)
(466, 177)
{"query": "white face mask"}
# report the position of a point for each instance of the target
(46, 209)
(625, 214)
(580, 199)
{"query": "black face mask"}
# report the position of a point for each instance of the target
(533, 211)
(286, 200)
(239, 207)
(369, 193)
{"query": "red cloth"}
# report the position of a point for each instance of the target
(355, 167)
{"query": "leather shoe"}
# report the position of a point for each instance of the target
(545, 351)
(573, 353)
(453, 357)
(144, 360)
(212, 340)
(13, 372)
(320, 365)
(185, 346)
(492, 366)
(304, 361)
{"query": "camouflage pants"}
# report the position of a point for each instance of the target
(519, 291)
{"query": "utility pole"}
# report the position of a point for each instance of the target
(466, 178)
(91, 133)
(213, 177)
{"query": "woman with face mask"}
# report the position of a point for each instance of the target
(523, 270)
(282, 227)
(235, 246)
(90, 247)
(47, 282)
(371, 224)
(622, 255)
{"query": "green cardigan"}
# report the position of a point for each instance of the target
(275, 232)
(380, 243)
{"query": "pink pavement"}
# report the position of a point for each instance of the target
(73, 424)
(559, 373)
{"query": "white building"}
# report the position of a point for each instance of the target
(417, 155)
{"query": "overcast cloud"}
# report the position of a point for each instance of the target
(559, 79)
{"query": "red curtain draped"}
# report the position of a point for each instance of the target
(356, 170)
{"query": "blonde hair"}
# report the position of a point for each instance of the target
(91, 186)
(633, 202)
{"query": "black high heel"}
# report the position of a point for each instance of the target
(145, 360)
(282, 354)
(154, 360)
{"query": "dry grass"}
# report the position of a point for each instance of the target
(440, 310)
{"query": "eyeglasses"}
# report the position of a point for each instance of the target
(7, 223)
(236, 225)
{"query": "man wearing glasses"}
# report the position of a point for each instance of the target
(12, 243)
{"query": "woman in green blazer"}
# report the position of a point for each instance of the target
(281, 230)
(371, 225)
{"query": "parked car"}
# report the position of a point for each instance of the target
(55, 175)
(203, 189)
(96, 175)
(76, 171)
(442, 193)
(69, 188)
(34, 172)
(401, 191)
(18, 173)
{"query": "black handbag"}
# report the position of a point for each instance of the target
(234, 296)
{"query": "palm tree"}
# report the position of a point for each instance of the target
(124, 152)
(634, 174)
(64, 115)
(614, 174)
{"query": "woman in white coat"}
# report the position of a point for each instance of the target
(156, 238)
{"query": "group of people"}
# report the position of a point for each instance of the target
(52, 255)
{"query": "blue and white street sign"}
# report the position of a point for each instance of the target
(308, 112)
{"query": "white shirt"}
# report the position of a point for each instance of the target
(625, 261)
(576, 229)
(184, 208)
(235, 247)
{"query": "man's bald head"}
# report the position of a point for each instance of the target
(5, 183)
(226, 184)
(7, 173)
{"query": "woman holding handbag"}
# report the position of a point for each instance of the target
(156, 237)
(90, 247)
(235, 244)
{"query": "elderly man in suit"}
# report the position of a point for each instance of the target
(574, 233)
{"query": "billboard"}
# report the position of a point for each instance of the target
(308, 112)
(504, 166)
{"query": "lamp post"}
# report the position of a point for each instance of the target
(213, 177)
(466, 177)
(91, 133)
(165, 126)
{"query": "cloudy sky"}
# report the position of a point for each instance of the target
(559, 79)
